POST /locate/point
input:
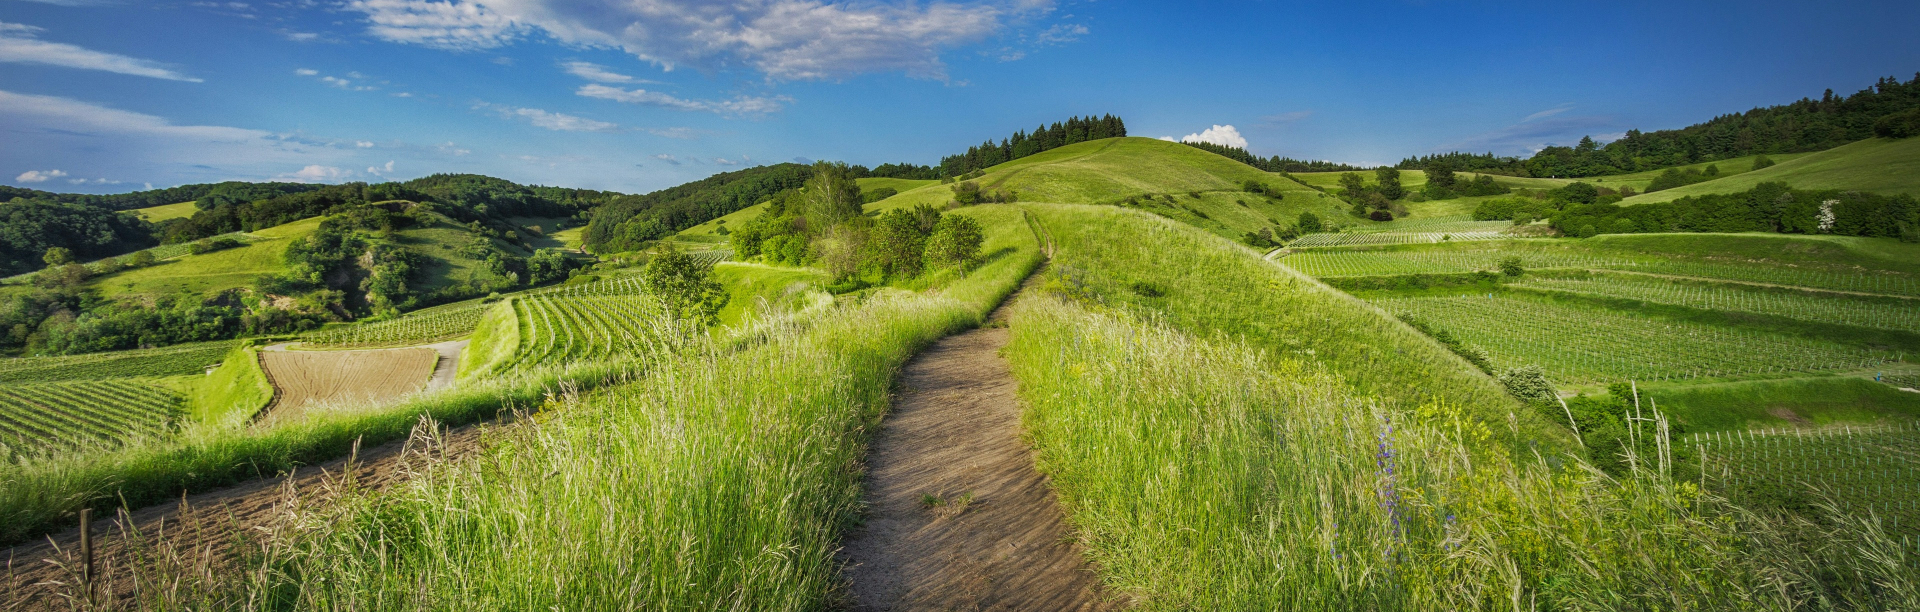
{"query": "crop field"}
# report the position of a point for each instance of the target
(1385, 263)
(1901, 315)
(1596, 346)
(1872, 470)
(81, 413)
(416, 328)
(165, 361)
(303, 379)
(1832, 278)
(1400, 237)
(560, 329)
(1875, 164)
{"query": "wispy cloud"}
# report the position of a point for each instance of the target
(1548, 113)
(598, 73)
(1532, 134)
(783, 39)
(667, 158)
(20, 43)
(743, 105)
(336, 82)
(558, 122)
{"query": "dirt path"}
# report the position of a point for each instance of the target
(994, 539)
(203, 532)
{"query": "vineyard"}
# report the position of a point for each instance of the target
(1901, 315)
(1837, 279)
(1421, 233)
(416, 328)
(1388, 263)
(1865, 471)
(166, 361)
(1589, 346)
(584, 324)
(71, 414)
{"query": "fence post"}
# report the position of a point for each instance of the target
(86, 551)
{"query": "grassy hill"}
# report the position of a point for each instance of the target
(156, 214)
(1878, 165)
(210, 273)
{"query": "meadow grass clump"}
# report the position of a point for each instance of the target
(1210, 474)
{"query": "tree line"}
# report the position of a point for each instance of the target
(630, 222)
(1888, 109)
(1021, 144)
(1581, 210)
(1275, 163)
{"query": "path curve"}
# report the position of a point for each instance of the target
(955, 430)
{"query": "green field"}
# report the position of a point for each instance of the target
(1108, 171)
(418, 327)
(211, 273)
(751, 287)
(1878, 165)
(165, 361)
(157, 214)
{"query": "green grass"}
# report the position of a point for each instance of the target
(1878, 165)
(210, 273)
(1205, 472)
(722, 480)
(232, 393)
(1793, 402)
(494, 340)
(1207, 285)
(1106, 171)
(898, 184)
(779, 288)
(156, 214)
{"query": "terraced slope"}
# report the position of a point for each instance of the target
(81, 413)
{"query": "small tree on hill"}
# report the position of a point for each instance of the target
(1310, 223)
(1529, 383)
(832, 195)
(955, 242)
(1389, 179)
(1511, 267)
(58, 256)
(685, 287)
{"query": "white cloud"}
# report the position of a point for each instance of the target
(302, 36)
(1223, 135)
(463, 26)
(363, 144)
(38, 176)
(381, 170)
(18, 44)
(784, 39)
(667, 158)
(315, 173)
(743, 105)
(595, 72)
(558, 122)
(451, 149)
(306, 72)
(1060, 33)
(725, 162)
(92, 181)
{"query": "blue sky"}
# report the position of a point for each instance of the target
(635, 95)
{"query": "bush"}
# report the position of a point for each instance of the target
(1381, 215)
(1762, 162)
(1511, 267)
(1898, 125)
(1529, 383)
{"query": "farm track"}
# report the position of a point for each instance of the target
(207, 532)
(954, 433)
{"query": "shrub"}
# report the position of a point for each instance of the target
(1898, 125)
(1529, 383)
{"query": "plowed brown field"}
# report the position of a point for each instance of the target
(303, 380)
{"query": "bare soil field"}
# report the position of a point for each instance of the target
(306, 379)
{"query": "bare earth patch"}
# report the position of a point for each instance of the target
(958, 518)
(304, 379)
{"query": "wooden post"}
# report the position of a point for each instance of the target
(86, 550)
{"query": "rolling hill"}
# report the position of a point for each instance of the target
(1878, 165)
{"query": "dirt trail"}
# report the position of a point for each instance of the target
(995, 540)
(203, 531)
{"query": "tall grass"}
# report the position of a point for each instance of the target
(722, 480)
(1224, 439)
(1204, 474)
(1211, 286)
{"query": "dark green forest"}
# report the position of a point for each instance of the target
(1889, 108)
(1021, 144)
(628, 222)
(1272, 164)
